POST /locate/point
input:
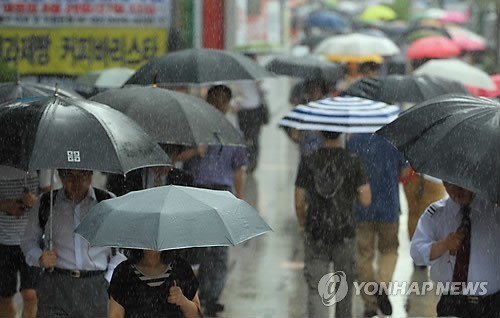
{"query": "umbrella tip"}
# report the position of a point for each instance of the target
(155, 79)
(55, 90)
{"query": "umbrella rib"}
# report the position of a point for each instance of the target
(218, 215)
(109, 135)
(437, 123)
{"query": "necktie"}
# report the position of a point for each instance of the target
(461, 270)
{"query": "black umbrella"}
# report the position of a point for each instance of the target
(306, 67)
(64, 133)
(404, 88)
(11, 91)
(198, 66)
(172, 118)
(452, 137)
(419, 31)
(311, 41)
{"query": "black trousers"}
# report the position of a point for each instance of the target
(466, 306)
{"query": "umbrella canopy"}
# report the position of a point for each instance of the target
(356, 45)
(172, 118)
(108, 78)
(466, 39)
(431, 13)
(65, 133)
(172, 217)
(378, 13)
(306, 67)
(348, 7)
(490, 93)
(11, 91)
(311, 41)
(404, 88)
(456, 70)
(198, 66)
(454, 138)
(433, 47)
(259, 48)
(341, 114)
(422, 31)
(455, 17)
(327, 20)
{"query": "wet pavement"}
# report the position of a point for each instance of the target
(266, 278)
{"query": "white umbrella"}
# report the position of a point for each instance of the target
(344, 114)
(107, 78)
(356, 44)
(456, 70)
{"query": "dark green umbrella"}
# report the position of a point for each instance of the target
(198, 66)
(454, 138)
(172, 217)
(65, 133)
(173, 118)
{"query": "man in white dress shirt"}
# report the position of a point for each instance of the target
(73, 282)
(441, 237)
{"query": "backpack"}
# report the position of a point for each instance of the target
(44, 209)
(330, 218)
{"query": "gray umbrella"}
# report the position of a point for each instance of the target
(306, 67)
(452, 137)
(404, 88)
(173, 118)
(11, 91)
(65, 133)
(198, 66)
(172, 217)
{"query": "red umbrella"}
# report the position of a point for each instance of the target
(455, 17)
(432, 47)
(490, 93)
(468, 44)
(466, 39)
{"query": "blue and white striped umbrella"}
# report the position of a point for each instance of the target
(344, 114)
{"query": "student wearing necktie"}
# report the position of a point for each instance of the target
(458, 237)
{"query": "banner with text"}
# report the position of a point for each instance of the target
(50, 13)
(74, 51)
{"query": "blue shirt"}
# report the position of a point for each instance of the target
(217, 165)
(383, 163)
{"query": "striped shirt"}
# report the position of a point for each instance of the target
(153, 280)
(12, 184)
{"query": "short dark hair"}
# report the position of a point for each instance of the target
(135, 255)
(330, 135)
(365, 68)
(218, 89)
(65, 172)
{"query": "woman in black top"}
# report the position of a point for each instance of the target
(153, 284)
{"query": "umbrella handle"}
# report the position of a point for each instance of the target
(51, 243)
